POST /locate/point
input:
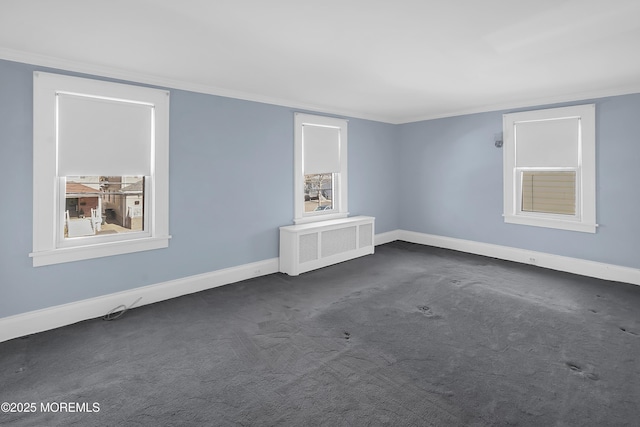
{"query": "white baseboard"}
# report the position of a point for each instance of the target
(67, 314)
(554, 262)
(388, 237)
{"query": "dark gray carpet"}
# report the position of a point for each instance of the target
(411, 336)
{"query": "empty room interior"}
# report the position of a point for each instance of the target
(337, 213)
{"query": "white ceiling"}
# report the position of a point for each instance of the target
(394, 61)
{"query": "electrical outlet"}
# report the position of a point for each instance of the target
(532, 260)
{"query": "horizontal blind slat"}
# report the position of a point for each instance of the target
(549, 192)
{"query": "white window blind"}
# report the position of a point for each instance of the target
(321, 149)
(547, 143)
(98, 136)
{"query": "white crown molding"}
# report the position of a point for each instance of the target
(164, 82)
(529, 103)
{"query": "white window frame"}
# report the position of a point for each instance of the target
(340, 179)
(584, 219)
(49, 245)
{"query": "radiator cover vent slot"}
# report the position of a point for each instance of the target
(338, 241)
(366, 235)
(308, 247)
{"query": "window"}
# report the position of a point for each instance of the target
(320, 168)
(100, 169)
(96, 206)
(551, 192)
(318, 192)
(549, 168)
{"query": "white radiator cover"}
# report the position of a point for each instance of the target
(306, 247)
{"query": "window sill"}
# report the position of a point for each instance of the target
(552, 223)
(321, 217)
(77, 253)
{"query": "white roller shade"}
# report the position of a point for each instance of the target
(547, 143)
(103, 137)
(321, 149)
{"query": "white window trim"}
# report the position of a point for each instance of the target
(585, 218)
(46, 182)
(340, 183)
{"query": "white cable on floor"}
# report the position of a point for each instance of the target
(119, 311)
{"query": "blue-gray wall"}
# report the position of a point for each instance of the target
(231, 187)
(451, 185)
(231, 184)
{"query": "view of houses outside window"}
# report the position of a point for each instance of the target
(318, 192)
(98, 205)
(551, 192)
